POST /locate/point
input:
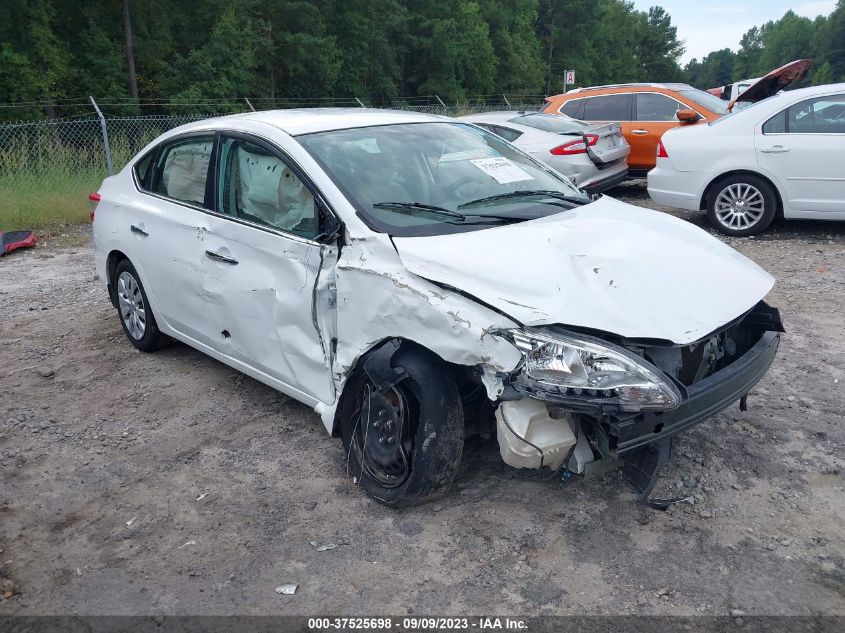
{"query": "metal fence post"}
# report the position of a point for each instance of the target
(441, 101)
(249, 104)
(360, 103)
(105, 135)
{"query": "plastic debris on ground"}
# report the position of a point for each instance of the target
(323, 548)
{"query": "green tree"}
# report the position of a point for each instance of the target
(303, 56)
(834, 46)
(567, 30)
(222, 69)
(615, 38)
(716, 69)
(515, 44)
(822, 75)
(100, 65)
(370, 45)
(658, 47)
(451, 54)
(34, 52)
(790, 38)
(748, 58)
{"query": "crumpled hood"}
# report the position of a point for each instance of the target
(608, 266)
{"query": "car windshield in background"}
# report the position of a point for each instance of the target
(436, 178)
(705, 100)
(557, 124)
(740, 106)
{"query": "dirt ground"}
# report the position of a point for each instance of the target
(168, 483)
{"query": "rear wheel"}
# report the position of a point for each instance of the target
(136, 315)
(404, 442)
(741, 205)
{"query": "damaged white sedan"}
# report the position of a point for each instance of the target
(417, 279)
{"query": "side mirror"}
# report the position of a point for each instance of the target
(686, 115)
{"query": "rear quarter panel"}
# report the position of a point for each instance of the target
(108, 224)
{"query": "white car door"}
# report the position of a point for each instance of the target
(261, 264)
(164, 225)
(804, 146)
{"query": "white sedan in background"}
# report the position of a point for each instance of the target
(783, 155)
(593, 156)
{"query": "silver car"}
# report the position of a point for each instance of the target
(593, 157)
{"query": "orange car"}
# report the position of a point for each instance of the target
(646, 111)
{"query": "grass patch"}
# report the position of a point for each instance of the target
(46, 201)
(48, 170)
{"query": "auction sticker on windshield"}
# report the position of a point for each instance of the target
(502, 170)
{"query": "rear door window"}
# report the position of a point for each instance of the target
(505, 132)
(656, 107)
(608, 108)
(182, 170)
(822, 115)
(776, 125)
(143, 171)
(573, 108)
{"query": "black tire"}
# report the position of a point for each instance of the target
(758, 206)
(126, 295)
(432, 431)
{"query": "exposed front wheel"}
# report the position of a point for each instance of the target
(403, 441)
(741, 205)
(133, 307)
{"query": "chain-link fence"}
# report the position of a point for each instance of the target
(48, 168)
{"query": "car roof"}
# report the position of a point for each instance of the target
(812, 91)
(308, 120)
(635, 87)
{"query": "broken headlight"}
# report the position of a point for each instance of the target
(592, 369)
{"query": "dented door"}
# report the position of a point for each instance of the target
(261, 266)
(259, 292)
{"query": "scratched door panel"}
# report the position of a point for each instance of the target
(260, 309)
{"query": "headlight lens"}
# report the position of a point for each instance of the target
(590, 369)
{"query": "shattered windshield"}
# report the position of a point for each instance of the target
(435, 178)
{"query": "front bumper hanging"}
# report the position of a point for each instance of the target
(704, 399)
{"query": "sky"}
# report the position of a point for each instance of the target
(711, 25)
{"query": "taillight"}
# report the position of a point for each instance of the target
(94, 198)
(661, 150)
(575, 147)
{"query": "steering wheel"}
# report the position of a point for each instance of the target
(458, 184)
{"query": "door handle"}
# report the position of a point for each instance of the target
(138, 230)
(639, 132)
(775, 149)
(221, 258)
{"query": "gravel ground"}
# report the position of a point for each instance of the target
(168, 483)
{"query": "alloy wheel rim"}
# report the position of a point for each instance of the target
(131, 303)
(740, 206)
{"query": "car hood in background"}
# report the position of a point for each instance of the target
(608, 266)
(774, 82)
